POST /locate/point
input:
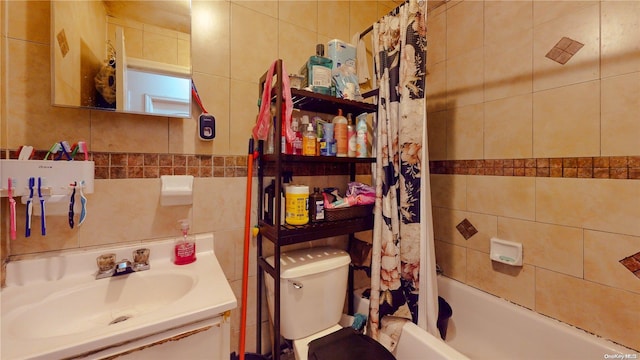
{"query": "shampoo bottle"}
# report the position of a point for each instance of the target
(309, 141)
(185, 247)
(351, 137)
(361, 136)
(340, 134)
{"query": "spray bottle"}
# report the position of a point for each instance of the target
(185, 247)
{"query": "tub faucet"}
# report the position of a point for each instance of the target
(439, 270)
(108, 267)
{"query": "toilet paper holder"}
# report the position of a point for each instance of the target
(506, 252)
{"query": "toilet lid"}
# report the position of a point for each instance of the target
(347, 344)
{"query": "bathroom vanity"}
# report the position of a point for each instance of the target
(54, 307)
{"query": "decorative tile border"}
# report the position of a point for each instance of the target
(605, 167)
(144, 166)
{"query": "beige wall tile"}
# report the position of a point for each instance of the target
(211, 49)
(513, 283)
(465, 79)
(449, 191)
(300, 14)
(436, 87)
(465, 24)
(29, 76)
(517, 16)
(548, 10)
(558, 248)
(216, 210)
(242, 107)
(251, 55)
(128, 133)
(620, 114)
(334, 19)
(445, 221)
(129, 211)
(183, 133)
(437, 34)
(602, 253)
(607, 311)
(361, 15)
(502, 195)
(29, 20)
(296, 45)
(464, 132)
(437, 134)
(508, 68)
(557, 112)
(267, 7)
(226, 246)
(452, 260)
(620, 48)
(606, 205)
(581, 24)
(508, 127)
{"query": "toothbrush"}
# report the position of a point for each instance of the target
(43, 222)
(12, 211)
(29, 212)
(72, 202)
(83, 204)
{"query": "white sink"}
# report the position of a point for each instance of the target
(54, 307)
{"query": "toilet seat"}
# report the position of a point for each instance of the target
(301, 346)
(342, 344)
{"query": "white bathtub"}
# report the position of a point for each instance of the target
(484, 326)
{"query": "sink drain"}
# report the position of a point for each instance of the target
(120, 319)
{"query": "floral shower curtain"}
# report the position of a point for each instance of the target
(403, 259)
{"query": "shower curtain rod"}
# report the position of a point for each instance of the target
(394, 11)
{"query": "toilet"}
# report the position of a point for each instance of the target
(313, 286)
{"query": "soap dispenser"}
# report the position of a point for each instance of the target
(185, 247)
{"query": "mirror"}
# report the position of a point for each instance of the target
(123, 56)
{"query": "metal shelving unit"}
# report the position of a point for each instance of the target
(281, 234)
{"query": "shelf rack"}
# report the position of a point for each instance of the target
(281, 234)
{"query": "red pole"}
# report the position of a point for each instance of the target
(247, 238)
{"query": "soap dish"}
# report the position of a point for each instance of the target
(506, 252)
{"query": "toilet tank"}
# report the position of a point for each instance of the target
(313, 286)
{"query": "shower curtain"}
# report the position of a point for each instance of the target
(403, 259)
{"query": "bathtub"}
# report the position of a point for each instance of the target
(484, 326)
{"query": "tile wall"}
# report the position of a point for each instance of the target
(233, 44)
(534, 151)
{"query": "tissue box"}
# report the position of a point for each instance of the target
(344, 69)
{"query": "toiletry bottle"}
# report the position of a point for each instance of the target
(340, 134)
(351, 137)
(269, 202)
(309, 141)
(318, 71)
(328, 143)
(185, 247)
(296, 145)
(316, 206)
(361, 136)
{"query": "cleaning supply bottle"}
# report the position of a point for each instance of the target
(361, 136)
(351, 137)
(316, 206)
(340, 134)
(309, 141)
(185, 247)
(296, 148)
(317, 72)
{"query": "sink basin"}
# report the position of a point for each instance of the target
(101, 303)
(53, 307)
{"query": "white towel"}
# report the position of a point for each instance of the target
(362, 65)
